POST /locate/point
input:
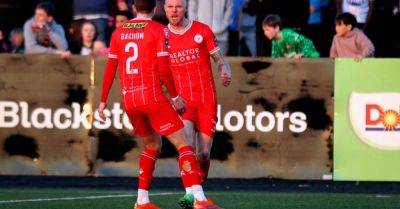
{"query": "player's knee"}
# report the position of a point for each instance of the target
(155, 145)
(190, 141)
(178, 139)
(179, 143)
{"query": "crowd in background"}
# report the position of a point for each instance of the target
(272, 28)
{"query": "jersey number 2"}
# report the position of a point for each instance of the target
(131, 59)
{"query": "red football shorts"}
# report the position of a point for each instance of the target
(203, 115)
(159, 117)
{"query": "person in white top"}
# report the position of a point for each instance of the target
(361, 9)
(215, 13)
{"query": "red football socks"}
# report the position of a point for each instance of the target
(147, 163)
(189, 167)
(205, 167)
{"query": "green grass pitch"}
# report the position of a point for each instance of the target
(14, 198)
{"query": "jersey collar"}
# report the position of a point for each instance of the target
(183, 31)
(141, 18)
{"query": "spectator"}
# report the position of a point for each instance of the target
(316, 8)
(84, 45)
(4, 45)
(95, 11)
(264, 7)
(42, 34)
(215, 13)
(17, 41)
(316, 30)
(159, 15)
(74, 31)
(233, 29)
(295, 13)
(349, 41)
(286, 42)
(247, 28)
(361, 9)
(124, 5)
(122, 17)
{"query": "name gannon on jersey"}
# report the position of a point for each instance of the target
(132, 36)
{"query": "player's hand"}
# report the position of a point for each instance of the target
(358, 58)
(179, 104)
(225, 73)
(100, 110)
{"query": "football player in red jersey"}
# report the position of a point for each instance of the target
(139, 48)
(190, 45)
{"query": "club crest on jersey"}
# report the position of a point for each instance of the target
(139, 25)
(198, 38)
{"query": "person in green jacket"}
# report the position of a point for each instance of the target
(286, 42)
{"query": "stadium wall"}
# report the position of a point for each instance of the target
(275, 120)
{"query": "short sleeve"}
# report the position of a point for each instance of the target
(210, 40)
(113, 51)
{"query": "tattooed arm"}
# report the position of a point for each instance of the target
(224, 68)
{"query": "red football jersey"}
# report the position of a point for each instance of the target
(138, 47)
(189, 53)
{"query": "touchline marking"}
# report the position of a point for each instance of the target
(83, 198)
(383, 196)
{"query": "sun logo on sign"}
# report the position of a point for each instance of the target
(391, 119)
(375, 118)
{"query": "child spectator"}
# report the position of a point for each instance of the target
(349, 41)
(95, 11)
(84, 45)
(17, 41)
(287, 43)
